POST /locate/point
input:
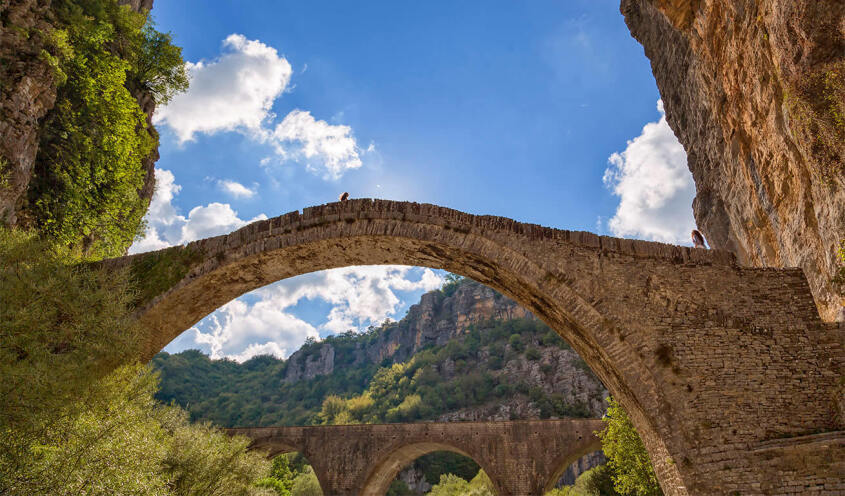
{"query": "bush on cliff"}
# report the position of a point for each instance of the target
(89, 170)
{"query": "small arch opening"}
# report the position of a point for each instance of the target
(422, 475)
(293, 474)
(421, 468)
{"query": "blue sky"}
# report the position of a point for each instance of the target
(541, 111)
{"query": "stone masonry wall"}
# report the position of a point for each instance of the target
(520, 457)
(710, 359)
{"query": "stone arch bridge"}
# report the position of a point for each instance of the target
(729, 374)
(520, 457)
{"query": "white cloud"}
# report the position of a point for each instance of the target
(654, 186)
(240, 331)
(236, 189)
(330, 149)
(166, 227)
(233, 91)
(358, 297)
(236, 92)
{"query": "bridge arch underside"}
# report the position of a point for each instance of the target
(675, 334)
(382, 475)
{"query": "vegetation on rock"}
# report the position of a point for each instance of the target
(291, 476)
(465, 372)
(89, 171)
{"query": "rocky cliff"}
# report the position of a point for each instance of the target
(755, 91)
(28, 92)
(435, 320)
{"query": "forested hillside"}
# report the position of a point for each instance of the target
(488, 359)
(465, 352)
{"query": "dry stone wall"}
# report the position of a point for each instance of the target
(709, 358)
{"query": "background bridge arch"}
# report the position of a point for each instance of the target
(657, 323)
(518, 456)
(388, 467)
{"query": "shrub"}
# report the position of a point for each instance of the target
(63, 326)
(515, 342)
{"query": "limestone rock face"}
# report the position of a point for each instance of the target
(436, 319)
(28, 92)
(755, 91)
(304, 367)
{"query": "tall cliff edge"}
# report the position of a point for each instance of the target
(28, 92)
(755, 91)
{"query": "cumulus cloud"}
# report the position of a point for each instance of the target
(654, 186)
(167, 227)
(263, 322)
(236, 189)
(358, 297)
(326, 148)
(233, 91)
(240, 331)
(236, 92)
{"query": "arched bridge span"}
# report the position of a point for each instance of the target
(710, 359)
(520, 457)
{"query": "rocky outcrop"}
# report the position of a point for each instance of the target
(28, 92)
(755, 91)
(308, 366)
(435, 320)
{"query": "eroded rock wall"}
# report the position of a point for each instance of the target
(27, 92)
(754, 91)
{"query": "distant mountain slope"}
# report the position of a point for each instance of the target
(466, 351)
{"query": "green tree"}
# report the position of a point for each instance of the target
(450, 485)
(157, 64)
(627, 457)
(202, 460)
(306, 484)
(63, 327)
(594, 482)
(481, 485)
(516, 343)
(453, 281)
(598, 481)
(121, 441)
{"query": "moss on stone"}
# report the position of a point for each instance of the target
(155, 273)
